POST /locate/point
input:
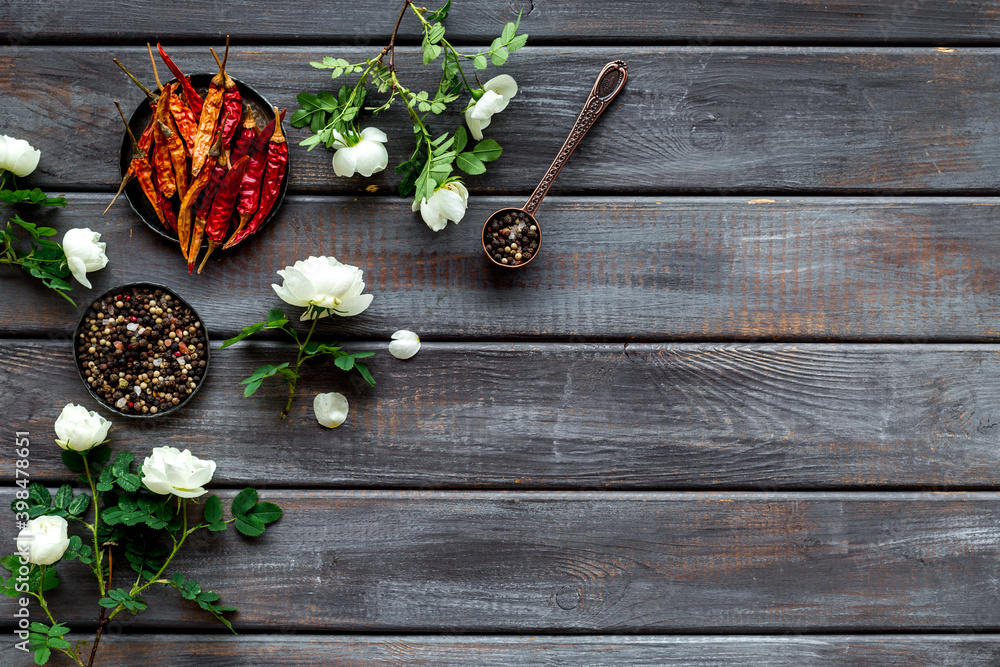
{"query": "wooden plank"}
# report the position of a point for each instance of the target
(691, 120)
(633, 269)
(591, 562)
(550, 21)
(502, 651)
(754, 417)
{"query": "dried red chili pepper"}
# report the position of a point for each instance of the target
(217, 221)
(274, 174)
(191, 96)
(209, 118)
(250, 188)
(135, 168)
(232, 102)
(186, 121)
(178, 156)
(187, 203)
(248, 132)
(169, 219)
(163, 167)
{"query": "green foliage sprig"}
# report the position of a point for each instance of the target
(45, 259)
(308, 349)
(128, 522)
(436, 155)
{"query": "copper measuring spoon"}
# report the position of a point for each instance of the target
(501, 229)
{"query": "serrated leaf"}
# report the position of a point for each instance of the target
(79, 504)
(517, 43)
(244, 502)
(480, 61)
(508, 32)
(344, 363)
(365, 373)
(249, 525)
(470, 164)
(129, 482)
(63, 496)
(487, 150)
(266, 512)
(461, 138)
(252, 388)
(122, 464)
(42, 655)
(275, 317)
(213, 510)
(72, 460)
(39, 495)
(499, 57)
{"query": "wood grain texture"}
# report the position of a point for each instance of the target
(591, 562)
(690, 120)
(755, 417)
(502, 651)
(550, 21)
(630, 269)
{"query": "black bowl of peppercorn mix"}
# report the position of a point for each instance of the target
(141, 350)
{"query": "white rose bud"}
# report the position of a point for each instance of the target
(79, 429)
(447, 203)
(404, 344)
(44, 539)
(84, 253)
(365, 157)
(17, 156)
(169, 470)
(331, 409)
(323, 286)
(496, 96)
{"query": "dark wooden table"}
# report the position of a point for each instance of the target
(741, 411)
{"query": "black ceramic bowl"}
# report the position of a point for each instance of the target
(252, 100)
(113, 362)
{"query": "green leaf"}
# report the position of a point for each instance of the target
(122, 464)
(487, 150)
(470, 164)
(508, 32)
(365, 373)
(42, 655)
(59, 643)
(99, 455)
(129, 482)
(78, 505)
(58, 630)
(11, 563)
(72, 460)
(39, 495)
(63, 496)
(249, 525)
(266, 512)
(108, 603)
(244, 502)
(213, 510)
(247, 331)
(251, 388)
(344, 363)
(480, 61)
(517, 43)
(461, 138)
(431, 52)
(435, 33)
(499, 57)
(276, 318)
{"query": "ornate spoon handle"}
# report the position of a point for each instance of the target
(609, 83)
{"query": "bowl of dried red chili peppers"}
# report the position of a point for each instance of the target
(197, 166)
(141, 350)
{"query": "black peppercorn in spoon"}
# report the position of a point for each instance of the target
(512, 237)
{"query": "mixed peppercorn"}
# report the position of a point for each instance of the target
(205, 166)
(142, 350)
(511, 237)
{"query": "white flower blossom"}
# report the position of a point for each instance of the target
(80, 429)
(447, 203)
(498, 92)
(322, 285)
(171, 471)
(84, 253)
(18, 156)
(44, 539)
(365, 157)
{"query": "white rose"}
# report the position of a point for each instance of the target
(170, 470)
(365, 157)
(447, 203)
(323, 286)
(84, 253)
(17, 156)
(404, 344)
(330, 409)
(495, 99)
(79, 429)
(44, 539)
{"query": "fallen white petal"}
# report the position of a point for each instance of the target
(405, 344)
(330, 409)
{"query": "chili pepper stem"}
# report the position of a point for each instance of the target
(156, 74)
(149, 93)
(212, 245)
(121, 188)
